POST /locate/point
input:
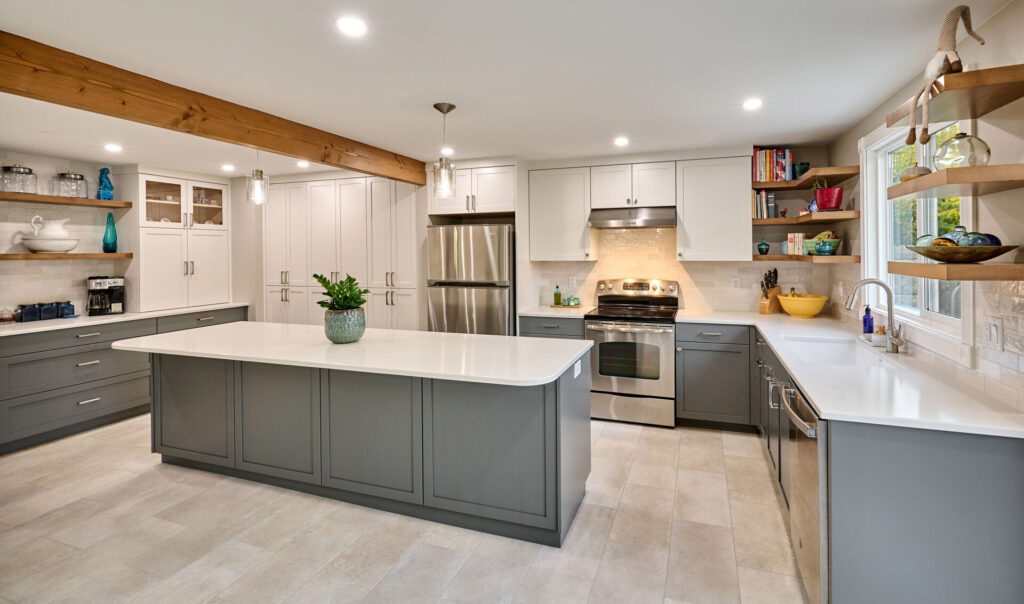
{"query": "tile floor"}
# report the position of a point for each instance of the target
(682, 515)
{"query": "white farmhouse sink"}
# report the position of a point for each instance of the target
(832, 351)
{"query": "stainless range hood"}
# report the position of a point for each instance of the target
(624, 218)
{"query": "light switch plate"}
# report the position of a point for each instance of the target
(993, 333)
(572, 281)
(577, 369)
(736, 282)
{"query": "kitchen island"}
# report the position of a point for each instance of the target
(485, 432)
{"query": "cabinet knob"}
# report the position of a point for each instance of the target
(679, 348)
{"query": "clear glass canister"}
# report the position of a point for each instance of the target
(70, 184)
(17, 179)
(962, 151)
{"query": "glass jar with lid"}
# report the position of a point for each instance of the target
(70, 184)
(17, 179)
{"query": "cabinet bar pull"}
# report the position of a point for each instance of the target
(191, 267)
(287, 277)
(711, 333)
(83, 364)
(88, 400)
(206, 319)
(549, 325)
(282, 277)
(474, 203)
(186, 267)
(287, 298)
(282, 294)
(88, 335)
(467, 203)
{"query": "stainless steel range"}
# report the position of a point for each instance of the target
(632, 363)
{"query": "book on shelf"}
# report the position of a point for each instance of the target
(771, 165)
(762, 204)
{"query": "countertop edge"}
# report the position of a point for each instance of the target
(9, 329)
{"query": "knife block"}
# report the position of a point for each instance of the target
(771, 304)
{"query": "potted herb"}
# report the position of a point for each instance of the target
(826, 197)
(344, 321)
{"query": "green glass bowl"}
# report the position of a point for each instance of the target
(810, 243)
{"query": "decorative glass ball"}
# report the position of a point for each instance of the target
(962, 151)
(973, 239)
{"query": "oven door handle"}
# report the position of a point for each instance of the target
(631, 329)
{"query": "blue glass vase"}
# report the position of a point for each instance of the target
(110, 235)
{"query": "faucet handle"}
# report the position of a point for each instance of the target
(896, 337)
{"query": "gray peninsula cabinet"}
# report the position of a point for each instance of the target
(507, 459)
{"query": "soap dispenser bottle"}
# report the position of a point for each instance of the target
(558, 296)
(869, 322)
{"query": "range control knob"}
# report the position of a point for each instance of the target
(671, 289)
(601, 286)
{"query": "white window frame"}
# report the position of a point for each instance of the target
(945, 336)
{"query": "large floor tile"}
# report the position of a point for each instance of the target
(750, 479)
(421, 575)
(630, 574)
(644, 517)
(702, 497)
(493, 572)
(761, 539)
(759, 587)
(702, 565)
(742, 444)
(704, 459)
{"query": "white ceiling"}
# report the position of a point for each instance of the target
(536, 79)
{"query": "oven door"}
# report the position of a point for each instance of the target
(632, 358)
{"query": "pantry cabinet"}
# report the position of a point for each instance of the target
(559, 208)
(337, 229)
(479, 190)
(209, 271)
(392, 234)
(713, 209)
(633, 185)
(285, 220)
(392, 309)
(287, 305)
(163, 269)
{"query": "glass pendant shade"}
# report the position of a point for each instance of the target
(444, 178)
(257, 186)
(962, 151)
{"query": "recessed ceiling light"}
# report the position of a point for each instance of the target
(447, 151)
(112, 147)
(752, 104)
(227, 168)
(621, 141)
(351, 26)
(302, 163)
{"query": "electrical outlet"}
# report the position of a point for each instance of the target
(572, 281)
(736, 282)
(993, 336)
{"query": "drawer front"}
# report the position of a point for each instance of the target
(199, 319)
(29, 415)
(78, 336)
(710, 333)
(557, 327)
(41, 371)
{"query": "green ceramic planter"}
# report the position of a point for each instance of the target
(344, 326)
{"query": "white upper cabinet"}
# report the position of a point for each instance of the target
(285, 242)
(713, 209)
(379, 231)
(352, 228)
(559, 208)
(323, 225)
(479, 190)
(163, 202)
(404, 263)
(392, 233)
(654, 184)
(611, 186)
(207, 208)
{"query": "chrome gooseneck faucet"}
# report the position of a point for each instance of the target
(894, 335)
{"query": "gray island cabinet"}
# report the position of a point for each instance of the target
(484, 432)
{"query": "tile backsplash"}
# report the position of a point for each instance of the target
(650, 253)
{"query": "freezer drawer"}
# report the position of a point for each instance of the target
(456, 309)
(474, 253)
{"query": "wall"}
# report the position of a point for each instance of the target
(30, 281)
(999, 372)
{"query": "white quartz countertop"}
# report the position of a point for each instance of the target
(12, 329)
(511, 361)
(548, 312)
(881, 388)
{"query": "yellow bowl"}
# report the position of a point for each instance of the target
(803, 306)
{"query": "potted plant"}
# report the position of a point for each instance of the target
(826, 197)
(344, 321)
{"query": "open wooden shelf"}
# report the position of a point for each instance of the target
(63, 201)
(967, 95)
(72, 256)
(811, 259)
(822, 217)
(959, 272)
(834, 176)
(952, 182)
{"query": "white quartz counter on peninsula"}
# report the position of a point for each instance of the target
(484, 359)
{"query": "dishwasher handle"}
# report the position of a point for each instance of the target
(808, 430)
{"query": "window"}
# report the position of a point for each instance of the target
(923, 304)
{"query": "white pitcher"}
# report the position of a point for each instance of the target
(51, 229)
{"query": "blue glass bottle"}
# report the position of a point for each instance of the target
(110, 235)
(869, 321)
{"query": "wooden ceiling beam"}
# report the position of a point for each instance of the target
(45, 73)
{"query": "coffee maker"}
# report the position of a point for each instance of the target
(106, 295)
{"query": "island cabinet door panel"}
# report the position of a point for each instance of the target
(489, 451)
(277, 421)
(373, 434)
(194, 409)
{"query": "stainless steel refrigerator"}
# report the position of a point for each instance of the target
(469, 278)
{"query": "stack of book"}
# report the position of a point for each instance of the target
(795, 244)
(770, 165)
(762, 205)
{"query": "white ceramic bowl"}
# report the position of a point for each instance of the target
(49, 244)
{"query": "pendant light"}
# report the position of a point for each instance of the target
(444, 169)
(256, 184)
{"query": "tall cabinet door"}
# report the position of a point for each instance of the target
(713, 207)
(297, 300)
(275, 235)
(405, 309)
(297, 272)
(654, 184)
(209, 280)
(275, 309)
(163, 269)
(379, 232)
(323, 224)
(314, 312)
(559, 205)
(378, 308)
(611, 186)
(403, 237)
(495, 189)
(352, 228)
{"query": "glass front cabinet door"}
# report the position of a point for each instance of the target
(207, 206)
(165, 202)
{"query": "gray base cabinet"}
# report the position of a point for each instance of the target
(555, 327)
(504, 459)
(713, 371)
